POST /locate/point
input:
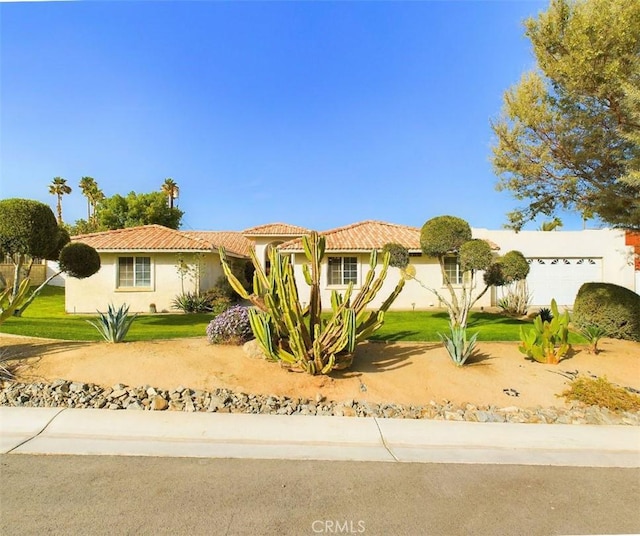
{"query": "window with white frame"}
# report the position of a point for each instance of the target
(134, 272)
(342, 270)
(452, 269)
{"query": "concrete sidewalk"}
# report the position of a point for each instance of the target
(138, 433)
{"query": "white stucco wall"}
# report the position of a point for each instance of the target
(413, 295)
(98, 291)
(606, 244)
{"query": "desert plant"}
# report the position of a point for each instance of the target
(600, 392)
(444, 236)
(458, 347)
(545, 314)
(191, 302)
(611, 307)
(288, 332)
(114, 324)
(230, 327)
(516, 299)
(10, 303)
(593, 334)
(218, 300)
(547, 341)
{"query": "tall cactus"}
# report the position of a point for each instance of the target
(288, 332)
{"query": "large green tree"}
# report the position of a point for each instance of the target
(569, 133)
(28, 230)
(118, 212)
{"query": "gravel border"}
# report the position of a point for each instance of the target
(68, 394)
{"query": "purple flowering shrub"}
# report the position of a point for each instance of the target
(230, 327)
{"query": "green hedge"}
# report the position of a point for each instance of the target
(611, 307)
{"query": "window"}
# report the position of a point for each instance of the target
(343, 270)
(452, 269)
(134, 271)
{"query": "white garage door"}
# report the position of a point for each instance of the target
(560, 278)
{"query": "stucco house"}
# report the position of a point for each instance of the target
(139, 265)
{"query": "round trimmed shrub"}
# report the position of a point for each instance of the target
(79, 260)
(444, 234)
(475, 255)
(230, 327)
(28, 227)
(514, 266)
(398, 255)
(610, 307)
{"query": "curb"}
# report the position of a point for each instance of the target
(214, 435)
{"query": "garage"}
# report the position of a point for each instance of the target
(560, 278)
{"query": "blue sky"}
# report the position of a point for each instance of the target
(319, 114)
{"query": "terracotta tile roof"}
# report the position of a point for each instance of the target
(233, 241)
(143, 238)
(368, 235)
(365, 236)
(276, 229)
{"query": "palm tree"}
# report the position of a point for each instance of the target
(88, 185)
(59, 187)
(96, 195)
(170, 189)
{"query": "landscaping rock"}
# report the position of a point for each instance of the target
(62, 393)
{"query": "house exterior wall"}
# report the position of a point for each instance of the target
(413, 295)
(99, 290)
(617, 258)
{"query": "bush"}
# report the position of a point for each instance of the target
(398, 255)
(600, 392)
(613, 308)
(190, 302)
(79, 260)
(443, 234)
(230, 327)
(218, 300)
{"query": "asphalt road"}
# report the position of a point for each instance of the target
(94, 495)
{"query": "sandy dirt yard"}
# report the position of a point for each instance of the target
(402, 373)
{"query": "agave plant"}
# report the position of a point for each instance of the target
(458, 347)
(114, 324)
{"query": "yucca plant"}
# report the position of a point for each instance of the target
(114, 324)
(457, 346)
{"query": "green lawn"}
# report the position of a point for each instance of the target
(46, 318)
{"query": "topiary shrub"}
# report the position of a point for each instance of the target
(398, 255)
(230, 327)
(444, 234)
(79, 260)
(613, 308)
